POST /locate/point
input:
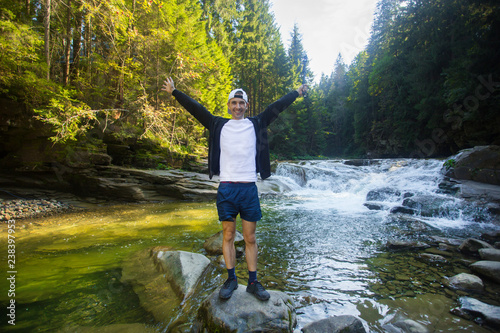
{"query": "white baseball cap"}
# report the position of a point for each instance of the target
(238, 93)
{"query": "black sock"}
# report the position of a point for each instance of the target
(231, 273)
(252, 276)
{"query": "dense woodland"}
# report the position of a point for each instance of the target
(91, 71)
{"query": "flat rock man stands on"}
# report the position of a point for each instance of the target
(238, 149)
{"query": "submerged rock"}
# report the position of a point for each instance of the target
(213, 245)
(471, 308)
(335, 324)
(245, 313)
(114, 328)
(396, 245)
(406, 325)
(489, 269)
(432, 257)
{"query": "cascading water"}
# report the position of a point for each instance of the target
(322, 240)
(383, 185)
(327, 218)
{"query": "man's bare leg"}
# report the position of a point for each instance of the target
(229, 252)
(251, 248)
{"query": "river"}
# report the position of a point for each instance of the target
(318, 242)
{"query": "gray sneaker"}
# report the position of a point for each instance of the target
(227, 289)
(258, 290)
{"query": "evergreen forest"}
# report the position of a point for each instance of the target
(87, 74)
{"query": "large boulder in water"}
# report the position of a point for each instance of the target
(245, 313)
(162, 279)
(487, 268)
(490, 254)
(472, 308)
(471, 246)
(481, 164)
(182, 269)
(384, 194)
(429, 205)
(465, 281)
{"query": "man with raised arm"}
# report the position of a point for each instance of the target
(238, 149)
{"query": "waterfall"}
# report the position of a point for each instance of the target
(392, 186)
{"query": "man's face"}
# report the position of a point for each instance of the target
(237, 106)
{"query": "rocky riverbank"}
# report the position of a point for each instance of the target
(24, 209)
(37, 194)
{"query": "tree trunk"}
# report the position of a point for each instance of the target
(77, 45)
(67, 47)
(46, 25)
(28, 11)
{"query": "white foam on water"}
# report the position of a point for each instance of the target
(333, 185)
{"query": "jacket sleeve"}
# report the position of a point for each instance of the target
(273, 110)
(196, 109)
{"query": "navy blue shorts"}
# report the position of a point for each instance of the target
(238, 198)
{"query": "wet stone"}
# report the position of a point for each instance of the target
(471, 246)
(491, 237)
(472, 308)
(446, 247)
(432, 257)
(402, 277)
(396, 245)
(465, 281)
(490, 254)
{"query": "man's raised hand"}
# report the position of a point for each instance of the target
(168, 85)
(302, 90)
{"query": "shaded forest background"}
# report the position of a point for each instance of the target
(85, 75)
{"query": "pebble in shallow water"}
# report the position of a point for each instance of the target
(23, 208)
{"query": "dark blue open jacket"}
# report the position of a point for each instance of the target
(214, 124)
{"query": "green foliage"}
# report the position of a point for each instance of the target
(68, 116)
(449, 164)
(20, 73)
(162, 166)
(429, 74)
(421, 71)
